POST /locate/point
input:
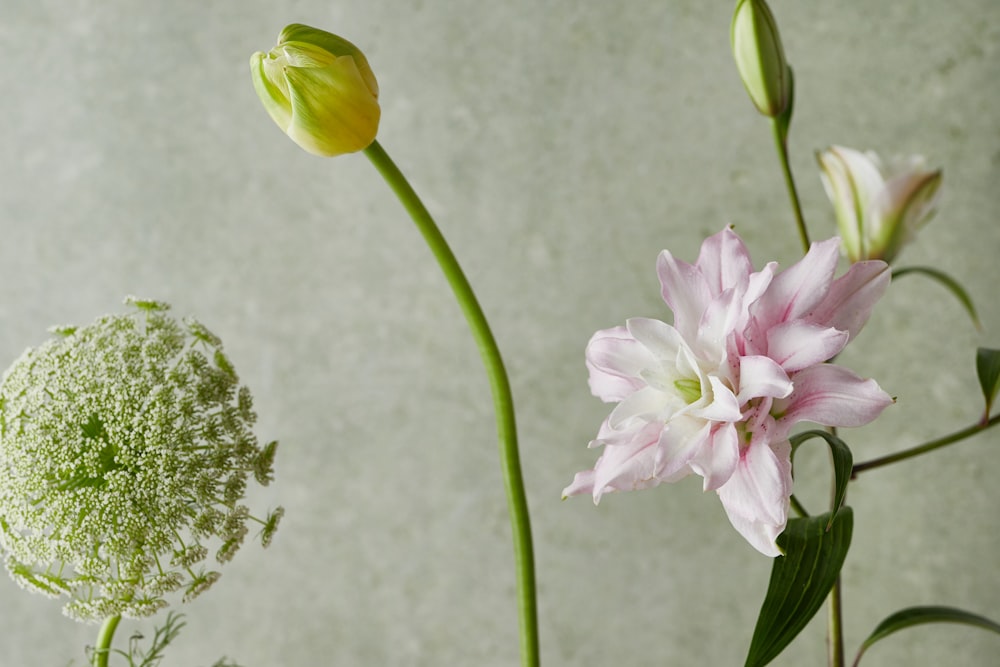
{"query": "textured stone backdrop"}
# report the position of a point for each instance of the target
(561, 146)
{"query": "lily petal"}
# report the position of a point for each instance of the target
(756, 496)
(852, 297)
(615, 358)
(685, 290)
(762, 377)
(798, 344)
(832, 396)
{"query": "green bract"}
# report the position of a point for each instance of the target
(125, 448)
(760, 57)
(319, 89)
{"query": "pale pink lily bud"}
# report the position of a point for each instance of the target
(879, 208)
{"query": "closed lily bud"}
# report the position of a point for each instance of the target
(319, 89)
(760, 57)
(879, 208)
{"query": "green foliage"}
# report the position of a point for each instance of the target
(988, 370)
(843, 461)
(800, 581)
(911, 616)
(948, 283)
(162, 637)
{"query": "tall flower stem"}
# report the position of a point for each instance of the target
(926, 447)
(503, 404)
(102, 650)
(835, 630)
(780, 130)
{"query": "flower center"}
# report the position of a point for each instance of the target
(689, 389)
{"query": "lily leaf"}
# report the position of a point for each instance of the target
(988, 369)
(842, 464)
(906, 618)
(800, 581)
(949, 283)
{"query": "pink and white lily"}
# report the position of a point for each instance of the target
(718, 392)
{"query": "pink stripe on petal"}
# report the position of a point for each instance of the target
(628, 466)
(724, 261)
(614, 359)
(852, 296)
(685, 290)
(797, 345)
(756, 496)
(832, 396)
(718, 458)
(799, 288)
(761, 376)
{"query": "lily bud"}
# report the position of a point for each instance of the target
(319, 89)
(878, 208)
(760, 57)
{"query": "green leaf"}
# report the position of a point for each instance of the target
(906, 618)
(949, 283)
(842, 463)
(800, 581)
(988, 369)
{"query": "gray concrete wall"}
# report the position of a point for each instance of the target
(561, 146)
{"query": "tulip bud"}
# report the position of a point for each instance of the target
(878, 208)
(319, 89)
(760, 58)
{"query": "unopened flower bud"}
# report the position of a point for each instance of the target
(878, 208)
(319, 89)
(760, 57)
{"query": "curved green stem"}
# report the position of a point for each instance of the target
(926, 447)
(102, 650)
(781, 145)
(503, 403)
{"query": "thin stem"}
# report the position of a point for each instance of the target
(797, 506)
(835, 630)
(926, 447)
(781, 145)
(517, 504)
(102, 650)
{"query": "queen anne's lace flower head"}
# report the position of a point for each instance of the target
(125, 448)
(718, 392)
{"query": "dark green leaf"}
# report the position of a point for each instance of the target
(906, 618)
(842, 463)
(948, 282)
(988, 369)
(800, 581)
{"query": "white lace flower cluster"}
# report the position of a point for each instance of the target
(125, 449)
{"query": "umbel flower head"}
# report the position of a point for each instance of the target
(718, 392)
(879, 207)
(125, 450)
(319, 89)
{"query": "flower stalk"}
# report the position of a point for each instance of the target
(835, 629)
(102, 650)
(502, 399)
(926, 447)
(781, 145)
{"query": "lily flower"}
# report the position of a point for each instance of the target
(718, 392)
(879, 208)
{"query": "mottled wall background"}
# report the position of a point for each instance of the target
(561, 145)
